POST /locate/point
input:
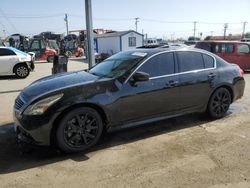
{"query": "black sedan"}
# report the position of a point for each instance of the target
(72, 110)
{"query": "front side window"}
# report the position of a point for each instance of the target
(243, 48)
(189, 61)
(132, 41)
(6, 52)
(35, 45)
(117, 65)
(162, 64)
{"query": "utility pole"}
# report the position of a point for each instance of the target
(136, 23)
(67, 24)
(90, 36)
(225, 30)
(244, 27)
(194, 29)
(4, 33)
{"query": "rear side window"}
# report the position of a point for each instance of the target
(189, 61)
(6, 52)
(243, 48)
(224, 48)
(162, 64)
(208, 61)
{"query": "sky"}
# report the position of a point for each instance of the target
(168, 19)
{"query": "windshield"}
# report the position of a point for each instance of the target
(117, 65)
(53, 44)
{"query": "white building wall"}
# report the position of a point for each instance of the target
(125, 45)
(110, 45)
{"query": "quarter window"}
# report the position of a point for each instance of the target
(189, 61)
(208, 61)
(243, 48)
(132, 41)
(162, 64)
(6, 52)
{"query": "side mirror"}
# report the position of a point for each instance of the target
(140, 76)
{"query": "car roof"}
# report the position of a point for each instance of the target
(152, 51)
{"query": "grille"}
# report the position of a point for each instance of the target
(18, 103)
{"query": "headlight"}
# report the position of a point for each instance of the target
(42, 106)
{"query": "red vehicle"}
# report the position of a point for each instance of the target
(42, 50)
(232, 51)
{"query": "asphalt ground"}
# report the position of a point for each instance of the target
(188, 151)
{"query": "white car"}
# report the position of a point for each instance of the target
(15, 62)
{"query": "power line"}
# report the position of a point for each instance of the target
(8, 20)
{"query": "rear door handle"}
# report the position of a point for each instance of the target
(211, 76)
(172, 83)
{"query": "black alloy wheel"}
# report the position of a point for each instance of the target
(21, 71)
(79, 130)
(219, 103)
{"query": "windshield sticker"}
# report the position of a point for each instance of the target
(140, 54)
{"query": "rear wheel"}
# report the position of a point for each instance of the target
(79, 130)
(219, 103)
(21, 71)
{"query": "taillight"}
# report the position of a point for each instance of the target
(241, 72)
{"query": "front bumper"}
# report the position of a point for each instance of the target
(33, 129)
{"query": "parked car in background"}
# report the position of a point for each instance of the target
(232, 51)
(191, 43)
(245, 40)
(72, 110)
(13, 61)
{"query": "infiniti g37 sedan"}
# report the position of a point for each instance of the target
(72, 110)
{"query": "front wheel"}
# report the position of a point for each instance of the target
(219, 103)
(79, 130)
(21, 71)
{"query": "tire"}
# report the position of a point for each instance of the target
(80, 129)
(219, 103)
(21, 71)
(50, 58)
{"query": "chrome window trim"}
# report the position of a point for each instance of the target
(179, 73)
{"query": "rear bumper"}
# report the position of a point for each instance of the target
(239, 87)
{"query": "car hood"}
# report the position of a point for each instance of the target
(56, 82)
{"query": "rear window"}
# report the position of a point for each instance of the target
(243, 48)
(204, 46)
(224, 48)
